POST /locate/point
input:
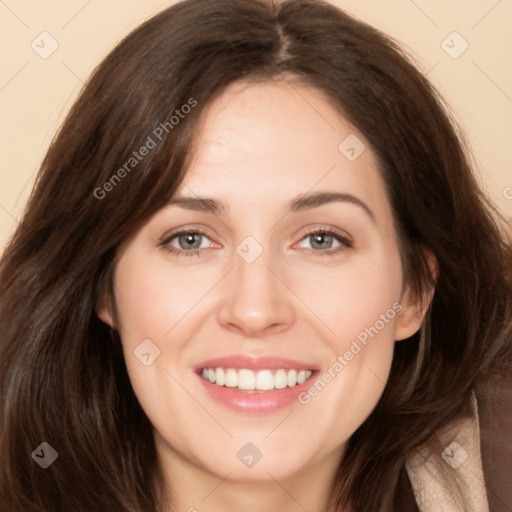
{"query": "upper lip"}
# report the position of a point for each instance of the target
(244, 361)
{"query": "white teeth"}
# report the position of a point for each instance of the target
(220, 378)
(249, 380)
(280, 379)
(246, 380)
(231, 378)
(292, 378)
(264, 380)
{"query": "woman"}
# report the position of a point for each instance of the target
(256, 273)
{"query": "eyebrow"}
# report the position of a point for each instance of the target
(300, 203)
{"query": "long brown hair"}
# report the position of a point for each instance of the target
(62, 374)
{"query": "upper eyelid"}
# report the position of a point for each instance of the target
(327, 229)
(169, 235)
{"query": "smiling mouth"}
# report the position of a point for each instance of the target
(255, 381)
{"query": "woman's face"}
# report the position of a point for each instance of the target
(290, 270)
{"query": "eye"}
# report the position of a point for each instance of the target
(186, 243)
(322, 242)
(326, 242)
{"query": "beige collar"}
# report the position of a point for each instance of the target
(446, 472)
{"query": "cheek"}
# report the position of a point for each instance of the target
(359, 305)
(152, 298)
(148, 306)
(354, 297)
(164, 304)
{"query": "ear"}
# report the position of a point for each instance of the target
(104, 311)
(415, 306)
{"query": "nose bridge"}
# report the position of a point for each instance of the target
(255, 299)
(251, 272)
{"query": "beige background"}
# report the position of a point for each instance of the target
(36, 92)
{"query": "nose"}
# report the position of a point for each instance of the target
(257, 301)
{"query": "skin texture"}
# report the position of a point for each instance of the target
(259, 147)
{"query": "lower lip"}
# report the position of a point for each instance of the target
(255, 402)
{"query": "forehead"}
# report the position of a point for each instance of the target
(264, 143)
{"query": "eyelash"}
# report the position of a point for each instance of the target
(345, 242)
